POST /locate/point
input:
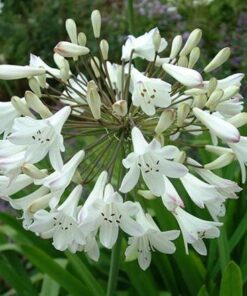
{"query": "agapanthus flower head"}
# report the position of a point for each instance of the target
(105, 134)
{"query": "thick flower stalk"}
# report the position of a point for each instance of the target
(94, 141)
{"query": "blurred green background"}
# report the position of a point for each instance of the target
(31, 266)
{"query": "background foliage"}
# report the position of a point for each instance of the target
(30, 266)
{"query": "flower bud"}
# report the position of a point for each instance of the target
(96, 23)
(65, 70)
(220, 162)
(183, 61)
(71, 29)
(199, 101)
(40, 203)
(185, 76)
(104, 47)
(120, 107)
(160, 138)
(35, 86)
(77, 177)
(195, 91)
(212, 85)
(194, 57)
(230, 92)
(95, 65)
(20, 106)
(214, 99)
(166, 119)
(70, 50)
(217, 150)
(12, 72)
(182, 113)
(146, 194)
(82, 39)
(93, 99)
(221, 57)
(192, 41)
(156, 40)
(238, 120)
(176, 46)
(181, 157)
(35, 104)
(33, 172)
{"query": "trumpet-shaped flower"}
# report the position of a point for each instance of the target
(149, 93)
(61, 224)
(171, 198)
(142, 46)
(151, 239)
(153, 162)
(194, 230)
(42, 136)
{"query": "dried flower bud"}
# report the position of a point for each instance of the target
(194, 57)
(36, 104)
(11, 72)
(96, 23)
(104, 47)
(167, 117)
(93, 99)
(82, 39)
(71, 30)
(221, 57)
(70, 50)
(120, 107)
(20, 106)
(176, 46)
(193, 40)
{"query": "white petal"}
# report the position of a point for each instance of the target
(130, 226)
(108, 234)
(130, 179)
(139, 142)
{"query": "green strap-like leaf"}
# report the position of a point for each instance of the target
(231, 283)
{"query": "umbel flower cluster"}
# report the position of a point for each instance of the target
(137, 127)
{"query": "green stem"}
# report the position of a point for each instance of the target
(114, 268)
(131, 17)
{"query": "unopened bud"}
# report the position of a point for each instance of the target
(33, 172)
(42, 80)
(238, 120)
(82, 39)
(176, 46)
(194, 57)
(220, 162)
(156, 40)
(96, 23)
(77, 177)
(70, 50)
(95, 65)
(12, 72)
(193, 40)
(104, 47)
(180, 157)
(146, 194)
(195, 91)
(93, 99)
(71, 30)
(221, 57)
(35, 86)
(36, 104)
(212, 85)
(217, 150)
(182, 113)
(214, 99)
(166, 119)
(40, 203)
(120, 107)
(160, 138)
(65, 70)
(230, 92)
(199, 101)
(21, 107)
(183, 61)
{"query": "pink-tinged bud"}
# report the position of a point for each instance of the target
(11, 72)
(219, 127)
(70, 50)
(185, 76)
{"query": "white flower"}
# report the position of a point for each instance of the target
(109, 212)
(149, 93)
(70, 50)
(41, 137)
(152, 239)
(142, 46)
(12, 157)
(91, 247)
(195, 229)
(218, 126)
(240, 150)
(11, 72)
(37, 62)
(171, 198)
(231, 80)
(185, 76)
(153, 161)
(60, 179)
(7, 114)
(61, 224)
(230, 107)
